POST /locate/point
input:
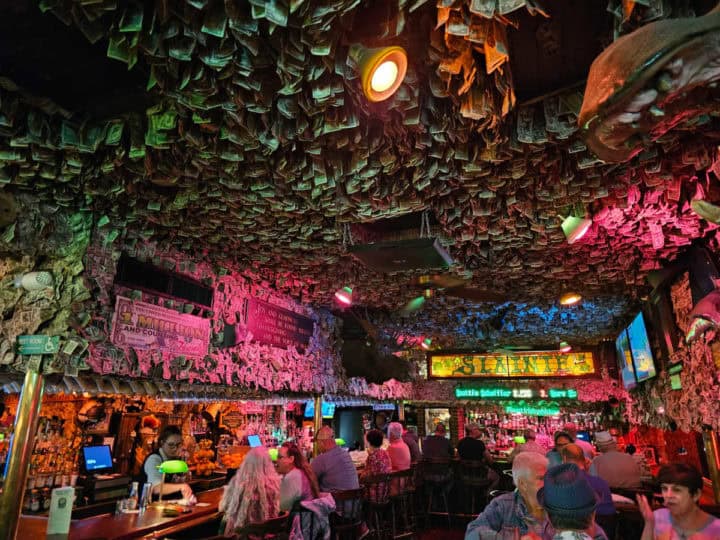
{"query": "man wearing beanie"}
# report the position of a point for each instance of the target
(569, 501)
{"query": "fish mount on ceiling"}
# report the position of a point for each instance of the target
(448, 285)
(650, 81)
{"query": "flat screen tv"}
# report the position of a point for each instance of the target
(624, 359)
(97, 459)
(328, 409)
(642, 355)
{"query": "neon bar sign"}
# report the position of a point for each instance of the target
(533, 410)
(479, 392)
(463, 365)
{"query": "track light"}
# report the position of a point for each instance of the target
(570, 298)
(425, 343)
(344, 295)
(565, 347)
(382, 70)
(575, 227)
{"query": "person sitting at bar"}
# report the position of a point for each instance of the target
(562, 439)
(530, 445)
(587, 448)
(570, 501)
(605, 510)
(378, 460)
(299, 482)
(519, 509)
(253, 494)
(398, 450)
(333, 466)
(471, 448)
(169, 446)
(410, 437)
(617, 468)
(682, 518)
(436, 446)
(381, 423)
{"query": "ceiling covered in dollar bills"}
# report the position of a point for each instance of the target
(237, 132)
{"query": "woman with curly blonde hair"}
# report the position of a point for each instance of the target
(253, 494)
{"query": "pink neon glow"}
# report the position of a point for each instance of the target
(343, 298)
(566, 348)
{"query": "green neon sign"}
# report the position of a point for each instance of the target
(562, 393)
(532, 410)
(494, 392)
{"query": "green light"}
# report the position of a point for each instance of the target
(273, 454)
(173, 466)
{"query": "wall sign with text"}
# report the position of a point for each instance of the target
(277, 326)
(463, 364)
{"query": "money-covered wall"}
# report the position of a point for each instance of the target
(656, 404)
(249, 363)
(78, 306)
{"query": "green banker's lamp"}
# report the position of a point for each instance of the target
(171, 466)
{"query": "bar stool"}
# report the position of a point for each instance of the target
(346, 521)
(437, 477)
(475, 483)
(402, 496)
(376, 494)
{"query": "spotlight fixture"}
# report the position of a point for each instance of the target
(573, 226)
(382, 70)
(344, 295)
(570, 299)
(565, 347)
(425, 343)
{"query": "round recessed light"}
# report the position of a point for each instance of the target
(382, 72)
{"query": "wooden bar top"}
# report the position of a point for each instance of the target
(124, 526)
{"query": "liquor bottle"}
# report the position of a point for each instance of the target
(132, 502)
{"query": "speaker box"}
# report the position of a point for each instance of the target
(402, 255)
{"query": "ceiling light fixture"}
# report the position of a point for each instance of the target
(565, 347)
(576, 224)
(344, 296)
(570, 298)
(382, 70)
(425, 343)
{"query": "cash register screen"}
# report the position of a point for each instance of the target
(97, 459)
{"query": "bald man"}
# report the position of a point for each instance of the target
(333, 467)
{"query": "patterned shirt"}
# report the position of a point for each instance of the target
(664, 529)
(509, 510)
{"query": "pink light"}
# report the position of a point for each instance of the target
(585, 227)
(344, 296)
(425, 343)
(565, 347)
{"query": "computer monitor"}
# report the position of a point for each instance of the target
(97, 459)
(583, 436)
(254, 441)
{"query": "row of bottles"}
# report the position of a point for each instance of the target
(542, 424)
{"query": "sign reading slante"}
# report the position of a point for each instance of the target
(459, 365)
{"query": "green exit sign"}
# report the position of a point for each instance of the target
(38, 344)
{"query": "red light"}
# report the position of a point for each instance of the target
(344, 296)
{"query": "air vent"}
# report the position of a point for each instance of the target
(402, 255)
(146, 277)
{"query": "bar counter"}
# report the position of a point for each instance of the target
(127, 526)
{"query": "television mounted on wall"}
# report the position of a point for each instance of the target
(624, 360)
(642, 355)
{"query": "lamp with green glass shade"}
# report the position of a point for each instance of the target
(171, 466)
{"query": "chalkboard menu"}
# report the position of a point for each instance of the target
(277, 326)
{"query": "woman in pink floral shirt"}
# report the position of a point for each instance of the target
(378, 462)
